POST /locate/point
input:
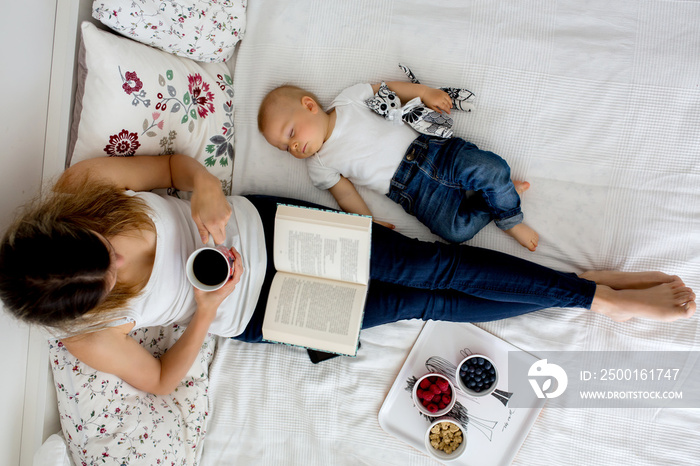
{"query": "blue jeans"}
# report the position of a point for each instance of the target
(434, 180)
(412, 279)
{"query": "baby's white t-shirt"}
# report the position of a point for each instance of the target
(364, 147)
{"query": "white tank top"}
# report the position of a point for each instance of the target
(168, 297)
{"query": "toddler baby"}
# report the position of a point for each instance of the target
(449, 184)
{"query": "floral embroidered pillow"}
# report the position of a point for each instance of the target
(135, 100)
(106, 421)
(203, 30)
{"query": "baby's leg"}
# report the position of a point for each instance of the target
(651, 295)
(436, 194)
(521, 186)
(490, 188)
(525, 235)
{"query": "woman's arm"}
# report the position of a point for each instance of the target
(138, 173)
(113, 351)
(435, 99)
(210, 209)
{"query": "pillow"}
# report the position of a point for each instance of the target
(53, 452)
(203, 30)
(136, 100)
(103, 418)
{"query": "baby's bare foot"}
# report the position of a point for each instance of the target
(521, 186)
(525, 236)
(629, 280)
(665, 302)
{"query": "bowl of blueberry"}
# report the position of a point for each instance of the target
(433, 395)
(477, 375)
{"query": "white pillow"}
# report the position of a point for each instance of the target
(103, 418)
(203, 30)
(53, 452)
(135, 100)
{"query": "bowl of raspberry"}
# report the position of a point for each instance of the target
(476, 375)
(433, 395)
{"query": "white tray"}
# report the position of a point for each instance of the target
(494, 431)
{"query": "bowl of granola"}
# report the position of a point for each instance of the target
(445, 439)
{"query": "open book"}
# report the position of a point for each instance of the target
(317, 298)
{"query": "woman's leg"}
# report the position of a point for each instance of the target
(502, 278)
(417, 279)
(651, 295)
(478, 272)
(387, 302)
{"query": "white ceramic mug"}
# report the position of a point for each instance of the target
(210, 267)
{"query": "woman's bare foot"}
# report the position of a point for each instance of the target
(629, 280)
(665, 302)
(521, 186)
(525, 236)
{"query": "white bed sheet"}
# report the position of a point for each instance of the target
(597, 104)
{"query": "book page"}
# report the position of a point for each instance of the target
(322, 244)
(315, 313)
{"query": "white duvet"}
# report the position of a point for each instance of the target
(595, 103)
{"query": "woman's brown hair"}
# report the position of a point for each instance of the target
(53, 266)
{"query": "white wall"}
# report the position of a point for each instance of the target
(26, 30)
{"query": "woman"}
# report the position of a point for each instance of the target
(95, 261)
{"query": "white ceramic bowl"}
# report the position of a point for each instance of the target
(439, 454)
(418, 402)
(488, 363)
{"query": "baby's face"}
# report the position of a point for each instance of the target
(298, 127)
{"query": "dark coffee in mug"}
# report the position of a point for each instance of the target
(210, 267)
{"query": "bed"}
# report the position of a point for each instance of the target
(596, 104)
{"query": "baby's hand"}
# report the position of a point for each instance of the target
(437, 99)
(385, 224)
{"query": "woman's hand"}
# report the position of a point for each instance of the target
(210, 211)
(436, 99)
(208, 302)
